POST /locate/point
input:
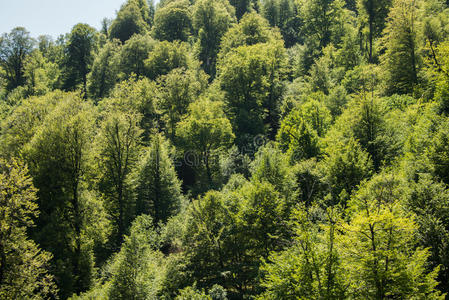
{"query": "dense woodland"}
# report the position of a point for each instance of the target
(241, 149)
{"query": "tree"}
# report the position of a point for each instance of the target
(297, 138)
(105, 70)
(400, 58)
(272, 166)
(429, 200)
(137, 270)
(251, 29)
(41, 75)
(241, 7)
(118, 146)
(23, 266)
(211, 20)
(233, 231)
(252, 80)
(437, 152)
(136, 95)
(377, 244)
(310, 268)
(14, 48)
(134, 53)
(21, 125)
(322, 20)
(79, 56)
(173, 22)
(166, 57)
(345, 165)
(176, 90)
(158, 188)
(130, 20)
(58, 159)
(374, 13)
(284, 15)
(205, 131)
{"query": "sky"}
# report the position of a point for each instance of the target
(54, 17)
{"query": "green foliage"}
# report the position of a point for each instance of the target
(211, 20)
(173, 22)
(157, 186)
(134, 53)
(81, 44)
(251, 29)
(176, 91)
(23, 266)
(379, 258)
(310, 268)
(19, 127)
(41, 75)
(131, 19)
(105, 70)
(165, 57)
(252, 80)
(345, 165)
(14, 48)
(372, 16)
(58, 159)
(400, 58)
(310, 139)
(117, 149)
(204, 133)
(137, 270)
(284, 15)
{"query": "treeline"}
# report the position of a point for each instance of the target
(215, 149)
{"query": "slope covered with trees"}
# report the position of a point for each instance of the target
(229, 149)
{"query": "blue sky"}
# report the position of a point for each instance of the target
(54, 17)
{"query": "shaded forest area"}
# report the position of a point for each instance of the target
(241, 149)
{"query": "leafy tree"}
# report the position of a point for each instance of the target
(233, 231)
(252, 80)
(105, 70)
(137, 270)
(117, 149)
(321, 21)
(176, 91)
(41, 75)
(241, 7)
(136, 95)
(284, 15)
(297, 138)
(173, 22)
(345, 166)
(378, 255)
(205, 131)
(251, 29)
(373, 14)
(437, 152)
(132, 18)
(19, 127)
(165, 57)
(158, 188)
(429, 200)
(14, 48)
(272, 166)
(211, 20)
(134, 53)
(310, 268)
(400, 58)
(23, 266)
(365, 120)
(58, 159)
(79, 56)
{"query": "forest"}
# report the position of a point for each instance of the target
(228, 149)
